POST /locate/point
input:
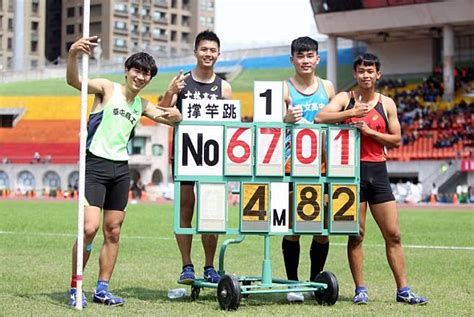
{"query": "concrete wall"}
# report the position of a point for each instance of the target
(393, 56)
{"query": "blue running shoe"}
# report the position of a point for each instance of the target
(405, 295)
(73, 296)
(106, 298)
(211, 276)
(361, 296)
(187, 275)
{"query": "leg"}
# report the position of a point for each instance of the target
(113, 220)
(209, 243)
(354, 249)
(291, 248)
(186, 215)
(386, 216)
(318, 253)
(91, 226)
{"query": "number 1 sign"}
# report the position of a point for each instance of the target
(342, 152)
(268, 101)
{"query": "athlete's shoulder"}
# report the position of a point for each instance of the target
(329, 87)
(387, 101)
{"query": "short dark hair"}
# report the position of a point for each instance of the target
(207, 35)
(142, 61)
(367, 59)
(303, 44)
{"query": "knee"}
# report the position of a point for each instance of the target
(321, 239)
(112, 233)
(357, 240)
(393, 237)
(292, 238)
(90, 230)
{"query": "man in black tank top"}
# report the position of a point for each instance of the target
(200, 83)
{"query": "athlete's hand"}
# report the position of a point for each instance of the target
(361, 109)
(172, 114)
(362, 126)
(177, 83)
(294, 114)
(84, 45)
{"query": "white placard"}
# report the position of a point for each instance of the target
(268, 101)
(270, 152)
(306, 152)
(239, 151)
(211, 110)
(279, 207)
(200, 150)
(342, 152)
(212, 207)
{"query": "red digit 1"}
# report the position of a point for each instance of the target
(276, 136)
(299, 146)
(235, 142)
(344, 135)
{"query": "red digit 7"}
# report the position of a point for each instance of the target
(276, 136)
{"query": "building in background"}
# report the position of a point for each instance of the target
(53, 30)
(160, 27)
(33, 38)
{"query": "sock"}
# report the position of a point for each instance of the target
(74, 281)
(403, 289)
(101, 286)
(361, 289)
(188, 265)
(291, 256)
(208, 267)
(318, 253)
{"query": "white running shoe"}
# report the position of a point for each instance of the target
(295, 297)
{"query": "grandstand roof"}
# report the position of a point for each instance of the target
(386, 22)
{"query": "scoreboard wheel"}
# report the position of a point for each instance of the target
(195, 290)
(329, 295)
(228, 293)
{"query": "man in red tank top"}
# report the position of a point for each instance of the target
(375, 115)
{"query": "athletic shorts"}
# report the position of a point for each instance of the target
(107, 183)
(374, 183)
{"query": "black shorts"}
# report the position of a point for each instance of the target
(374, 183)
(107, 183)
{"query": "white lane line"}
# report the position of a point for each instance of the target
(51, 234)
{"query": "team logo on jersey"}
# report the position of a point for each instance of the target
(375, 117)
(214, 88)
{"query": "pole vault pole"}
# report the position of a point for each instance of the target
(82, 159)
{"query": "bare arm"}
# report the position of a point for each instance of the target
(334, 112)
(84, 46)
(169, 116)
(226, 90)
(390, 139)
(329, 87)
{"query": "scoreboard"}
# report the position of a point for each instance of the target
(213, 147)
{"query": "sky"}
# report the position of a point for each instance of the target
(260, 23)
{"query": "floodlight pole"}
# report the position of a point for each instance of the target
(82, 159)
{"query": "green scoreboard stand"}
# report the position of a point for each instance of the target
(213, 147)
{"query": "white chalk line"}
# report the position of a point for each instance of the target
(53, 234)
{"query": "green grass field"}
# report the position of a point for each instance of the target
(36, 238)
